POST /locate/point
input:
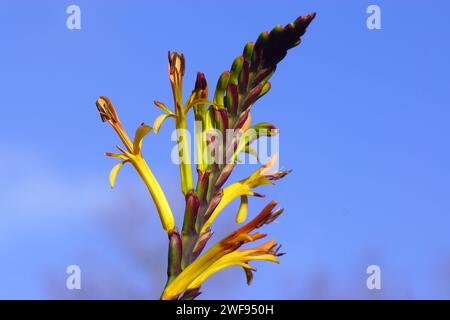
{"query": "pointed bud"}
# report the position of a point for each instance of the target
(242, 119)
(200, 92)
(190, 213)
(263, 76)
(277, 46)
(243, 79)
(201, 85)
(221, 87)
(261, 42)
(252, 97)
(260, 45)
(236, 68)
(265, 89)
(213, 204)
(290, 35)
(202, 184)
(221, 119)
(302, 23)
(248, 51)
(225, 174)
(175, 255)
(201, 243)
(232, 99)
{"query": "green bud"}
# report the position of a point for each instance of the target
(248, 51)
(236, 69)
(265, 89)
(221, 87)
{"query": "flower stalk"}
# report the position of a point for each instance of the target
(217, 155)
(176, 73)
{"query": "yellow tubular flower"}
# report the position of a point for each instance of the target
(202, 266)
(244, 188)
(133, 155)
(158, 196)
(267, 252)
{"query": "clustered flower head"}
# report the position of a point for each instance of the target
(216, 153)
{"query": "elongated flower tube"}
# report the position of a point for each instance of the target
(133, 155)
(244, 188)
(265, 252)
(205, 265)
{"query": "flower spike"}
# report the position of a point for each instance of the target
(217, 114)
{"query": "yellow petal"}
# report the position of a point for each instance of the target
(114, 172)
(243, 208)
(241, 188)
(159, 121)
(229, 193)
(141, 132)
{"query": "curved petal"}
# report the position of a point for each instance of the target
(141, 132)
(114, 172)
(159, 121)
(243, 209)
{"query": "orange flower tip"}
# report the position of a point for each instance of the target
(257, 235)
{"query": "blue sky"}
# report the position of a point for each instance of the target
(364, 126)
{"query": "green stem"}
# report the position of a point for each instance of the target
(187, 182)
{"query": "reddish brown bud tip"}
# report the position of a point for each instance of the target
(200, 82)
